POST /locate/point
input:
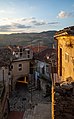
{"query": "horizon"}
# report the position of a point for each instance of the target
(26, 32)
(31, 16)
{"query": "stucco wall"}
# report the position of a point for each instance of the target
(67, 56)
(16, 73)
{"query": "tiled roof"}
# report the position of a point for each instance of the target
(66, 31)
(36, 49)
(43, 54)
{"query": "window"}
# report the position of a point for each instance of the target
(16, 53)
(28, 56)
(20, 49)
(47, 68)
(20, 54)
(20, 67)
(43, 70)
(28, 52)
(11, 66)
(67, 57)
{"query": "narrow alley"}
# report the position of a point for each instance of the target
(29, 104)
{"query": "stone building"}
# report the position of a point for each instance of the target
(14, 64)
(5, 55)
(20, 66)
(64, 91)
(65, 49)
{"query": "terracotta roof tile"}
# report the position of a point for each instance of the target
(46, 52)
(37, 49)
(68, 31)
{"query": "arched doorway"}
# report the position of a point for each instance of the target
(22, 82)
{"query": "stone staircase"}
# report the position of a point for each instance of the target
(29, 114)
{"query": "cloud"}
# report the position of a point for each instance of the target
(5, 28)
(38, 23)
(23, 24)
(64, 14)
(53, 23)
(33, 21)
(13, 27)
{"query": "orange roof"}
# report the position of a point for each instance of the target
(37, 49)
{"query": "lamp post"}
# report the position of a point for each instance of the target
(52, 77)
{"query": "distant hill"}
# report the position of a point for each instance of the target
(42, 38)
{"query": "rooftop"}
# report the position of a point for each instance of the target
(46, 52)
(65, 31)
(36, 49)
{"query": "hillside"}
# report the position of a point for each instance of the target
(43, 38)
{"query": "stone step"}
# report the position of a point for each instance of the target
(38, 112)
(31, 87)
(28, 114)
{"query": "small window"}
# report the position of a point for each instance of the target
(16, 53)
(43, 71)
(47, 68)
(20, 49)
(21, 54)
(20, 67)
(28, 51)
(67, 57)
(11, 66)
(28, 56)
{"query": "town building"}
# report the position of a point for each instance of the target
(20, 66)
(14, 64)
(65, 49)
(43, 64)
(63, 98)
(5, 55)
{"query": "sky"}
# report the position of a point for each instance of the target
(19, 16)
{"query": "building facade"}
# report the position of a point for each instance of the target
(14, 63)
(65, 49)
(5, 55)
(20, 65)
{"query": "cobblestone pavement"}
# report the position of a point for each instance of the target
(20, 99)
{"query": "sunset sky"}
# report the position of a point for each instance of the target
(35, 15)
